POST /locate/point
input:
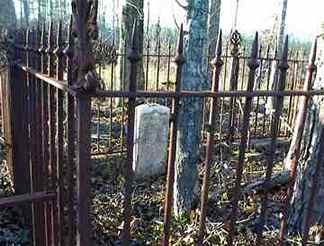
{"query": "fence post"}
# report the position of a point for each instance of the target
(85, 80)
(253, 65)
(6, 117)
(235, 41)
(179, 60)
(133, 58)
(279, 100)
(217, 64)
(19, 127)
(70, 108)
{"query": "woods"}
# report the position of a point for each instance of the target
(230, 119)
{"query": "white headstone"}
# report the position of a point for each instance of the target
(150, 140)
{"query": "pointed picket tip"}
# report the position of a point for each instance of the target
(276, 50)
(284, 58)
(285, 49)
(179, 59)
(217, 61)
(255, 46)
(219, 45)
(313, 54)
(180, 41)
(133, 55)
(253, 62)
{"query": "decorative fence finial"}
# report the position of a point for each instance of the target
(85, 30)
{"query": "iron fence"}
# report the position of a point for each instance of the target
(52, 127)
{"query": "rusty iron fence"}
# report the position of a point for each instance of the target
(49, 92)
(159, 74)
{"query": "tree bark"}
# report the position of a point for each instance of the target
(213, 26)
(190, 115)
(311, 163)
(26, 11)
(7, 14)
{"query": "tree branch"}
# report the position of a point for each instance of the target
(181, 5)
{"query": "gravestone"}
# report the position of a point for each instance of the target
(150, 140)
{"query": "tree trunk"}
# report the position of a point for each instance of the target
(311, 164)
(279, 43)
(7, 14)
(26, 11)
(190, 115)
(132, 11)
(213, 26)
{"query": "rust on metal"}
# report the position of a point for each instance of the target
(297, 138)
(217, 64)
(253, 65)
(134, 58)
(70, 109)
(179, 60)
(283, 67)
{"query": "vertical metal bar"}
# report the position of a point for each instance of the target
(258, 84)
(110, 136)
(83, 170)
(31, 99)
(44, 109)
(283, 67)
(169, 66)
(133, 58)
(147, 61)
(157, 85)
(19, 125)
(59, 137)
(39, 168)
(70, 108)
(98, 126)
(179, 60)
(253, 65)
(51, 130)
(292, 84)
(243, 76)
(235, 68)
(267, 88)
(222, 100)
(217, 64)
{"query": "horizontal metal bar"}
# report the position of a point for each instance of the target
(108, 153)
(26, 198)
(154, 55)
(165, 94)
(62, 85)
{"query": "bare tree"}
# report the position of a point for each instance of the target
(190, 115)
(7, 14)
(213, 26)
